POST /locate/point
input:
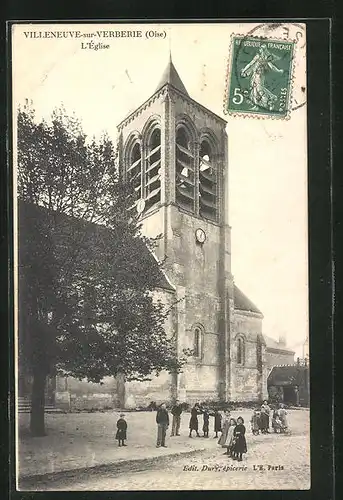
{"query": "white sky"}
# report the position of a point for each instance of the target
(267, 158)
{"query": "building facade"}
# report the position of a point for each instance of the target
(277, 352)
(290, 383)
(174, 153)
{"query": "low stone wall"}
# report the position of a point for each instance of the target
(193, 397)
(62, 400)
(92, 402)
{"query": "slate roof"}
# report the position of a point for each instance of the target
(171, 77)
(28, 213)
(243, 303)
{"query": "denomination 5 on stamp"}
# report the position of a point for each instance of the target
(259, 77)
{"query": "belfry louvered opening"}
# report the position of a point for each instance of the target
(153, 170)
(207, 183)
(184, 182)
(134, 171)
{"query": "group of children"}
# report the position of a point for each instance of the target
(232, 431)
(206, 413)
(233, 436)
(260, 420)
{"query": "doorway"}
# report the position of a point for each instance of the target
(289, 395)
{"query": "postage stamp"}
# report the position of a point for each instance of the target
(259, 77)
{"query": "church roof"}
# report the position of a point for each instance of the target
(171, 77)
(242, 302)
(93, 234)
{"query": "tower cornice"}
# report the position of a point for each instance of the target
(168, 88)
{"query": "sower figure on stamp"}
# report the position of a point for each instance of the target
(162, 420)
(259, 66)
(176, 412)
(121, 430)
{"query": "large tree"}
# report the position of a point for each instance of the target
(86, 273)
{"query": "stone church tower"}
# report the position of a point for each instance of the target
(174, 152)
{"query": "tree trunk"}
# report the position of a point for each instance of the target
(37, 425)
(121, 389)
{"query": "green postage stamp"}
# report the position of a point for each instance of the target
(259, 77)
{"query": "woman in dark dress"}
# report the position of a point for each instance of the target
(240, 444)
(193, 423)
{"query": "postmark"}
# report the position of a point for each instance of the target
(259, 77)
(290, 32)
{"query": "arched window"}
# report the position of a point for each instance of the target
(134, 170)
(197, 341)
(198, 335)
(153, 170)
(207, 182)
(184, 180)
(240, 350)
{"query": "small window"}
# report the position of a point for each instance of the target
(240, 351)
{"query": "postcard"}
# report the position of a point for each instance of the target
(161, 264)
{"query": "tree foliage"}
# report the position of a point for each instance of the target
(86, 273)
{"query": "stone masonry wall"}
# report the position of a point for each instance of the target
(274, 358)
(73, 394)
(247, 382)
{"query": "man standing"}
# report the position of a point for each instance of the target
(162, 420)
(176, 412)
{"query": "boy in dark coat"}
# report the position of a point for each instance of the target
(121, 430)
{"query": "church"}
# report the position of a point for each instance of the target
(174, 152)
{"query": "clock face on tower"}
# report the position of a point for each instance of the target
(200, 235)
